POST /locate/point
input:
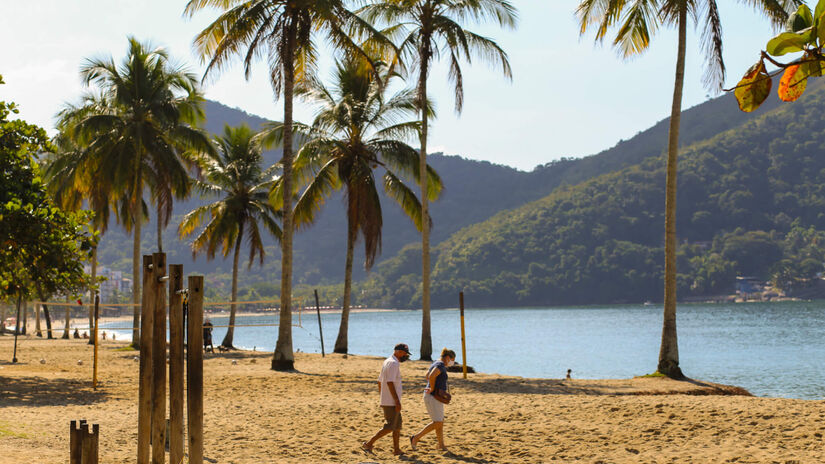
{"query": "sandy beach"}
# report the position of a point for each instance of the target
(324, 410)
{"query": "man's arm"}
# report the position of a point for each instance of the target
(379, 387)
(391, 386)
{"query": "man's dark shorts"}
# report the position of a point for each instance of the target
(392, 418)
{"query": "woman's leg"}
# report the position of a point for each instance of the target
(439, 432)
(427, 429)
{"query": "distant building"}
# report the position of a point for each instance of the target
(114, 283)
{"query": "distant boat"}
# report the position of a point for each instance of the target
(648, 303)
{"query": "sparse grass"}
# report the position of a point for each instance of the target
(5, 431)
(126, 348)
(655, 374)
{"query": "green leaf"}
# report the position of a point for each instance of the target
(793, 83)
(819, 10)
(800, 19)
(754, 88)
(786, 42)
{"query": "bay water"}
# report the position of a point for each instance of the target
(771, 349)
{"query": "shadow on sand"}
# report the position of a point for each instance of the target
(39, 391)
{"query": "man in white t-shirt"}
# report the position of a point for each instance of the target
(389, 387)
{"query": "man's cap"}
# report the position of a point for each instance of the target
(403, 347)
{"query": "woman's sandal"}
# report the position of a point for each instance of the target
(412, 444)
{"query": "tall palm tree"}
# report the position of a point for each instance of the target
(356, 130)
(234, 173)
(285, 31)
(427, 29)
(637, 21)
(132, 133)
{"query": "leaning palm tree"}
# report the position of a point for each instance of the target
(132, 133)
(356, 130)
(637, 22)
(427, 29)
(285, 31)
(234, 173)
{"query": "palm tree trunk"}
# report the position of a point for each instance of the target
(341, 342)
(426, 335)
(160, 231)
(669, 351)
(136, 279)
(230, 331)
(283, 358)
(25, 317)
(66, 334)
(2, 319)
(92, 293)
(46, 314)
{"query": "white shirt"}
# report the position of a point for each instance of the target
(390, 372)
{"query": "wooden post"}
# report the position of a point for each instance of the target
(194, 370)
(96, 317)
(17, 325)
(90, 445)
(321, 330)
(158, 284)
(176, 435)
(463, 344)
(147, 317)
(75, 443)
(37, 330)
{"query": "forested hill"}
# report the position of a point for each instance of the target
(474, 191)
(751, 201)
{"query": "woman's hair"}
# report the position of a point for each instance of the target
(446, 352)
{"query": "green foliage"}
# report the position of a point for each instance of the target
(804, 32)
(39, 243)
(751, 203)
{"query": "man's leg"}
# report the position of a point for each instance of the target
(367, 445)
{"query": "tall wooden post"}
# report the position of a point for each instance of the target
(94, 337)
(175, 363)
(158, 284)
(194, 370)
(463, 344)
(147, 318)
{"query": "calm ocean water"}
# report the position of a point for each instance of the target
(771, 349)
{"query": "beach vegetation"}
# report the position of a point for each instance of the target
(233, 179)
(426, 30)
(286, 32)
(132, 129)
(41, 246)
(356, 131)
(637, 22)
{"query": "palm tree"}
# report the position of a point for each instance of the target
(234, 173)
(285, 32)
(427, 29)
(132, 133)
(637, 22)
(355, 130)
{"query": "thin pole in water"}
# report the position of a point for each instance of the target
(463, 344)
(17, 325)
(321, 330)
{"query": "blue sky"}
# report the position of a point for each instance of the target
(569, 97)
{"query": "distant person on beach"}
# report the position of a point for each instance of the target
(389, 389)
(207, 336)
(436, 383)
(568, 374)
(76, 334)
